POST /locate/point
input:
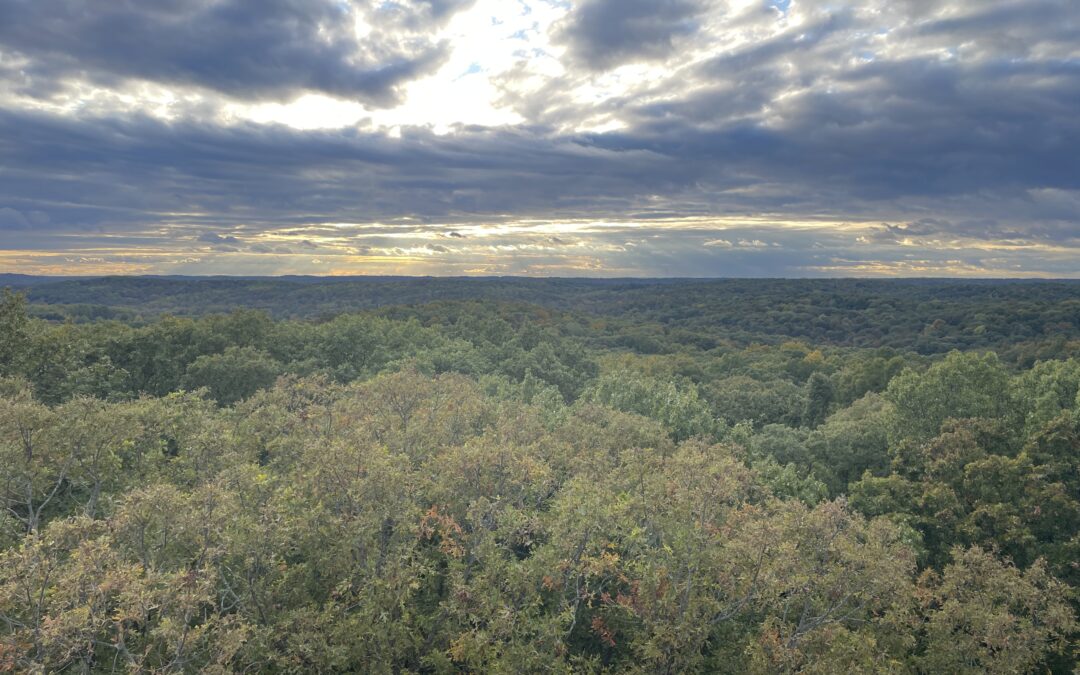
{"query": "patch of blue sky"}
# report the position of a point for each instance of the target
(782, 5)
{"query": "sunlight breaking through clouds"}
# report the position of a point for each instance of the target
(599, 137)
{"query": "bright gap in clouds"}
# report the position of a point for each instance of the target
(484, 42)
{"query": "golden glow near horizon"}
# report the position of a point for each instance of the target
(531, 247)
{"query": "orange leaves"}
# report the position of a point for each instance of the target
(606, 635)
(9, 656)
(605, 564)
(443, 528)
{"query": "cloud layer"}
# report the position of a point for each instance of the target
(238, 48)
(670, 137)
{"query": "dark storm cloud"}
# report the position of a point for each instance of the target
(131, 172)
(241, 48)
(112, 172)
(605, 33)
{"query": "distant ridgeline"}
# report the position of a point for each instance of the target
(1029, 319)
(508, 475)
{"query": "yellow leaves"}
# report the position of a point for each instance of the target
(794, 347)
(459, 648)
(125, 614)
(606, 564)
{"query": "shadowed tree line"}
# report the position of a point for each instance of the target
(1023, 321)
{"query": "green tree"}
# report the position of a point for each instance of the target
(819, 397)
(742, 398)
(960, 386)
(14, 332)
(852, 441)
(678, 407)
(983, 615)
(34, 471)
(233, 375)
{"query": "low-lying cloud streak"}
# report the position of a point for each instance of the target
(683, 138)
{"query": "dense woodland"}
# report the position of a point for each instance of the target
(509, 475)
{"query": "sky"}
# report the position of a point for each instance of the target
(688, 138)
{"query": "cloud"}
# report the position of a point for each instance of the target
(270, 49)
(12, 219)
(17, 220)
(92, 172)
(214, 238)
(601, 34)
(883, 136)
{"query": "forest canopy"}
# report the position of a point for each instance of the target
(510, 475)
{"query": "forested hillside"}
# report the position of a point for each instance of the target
(929, 316)
(510, 475)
